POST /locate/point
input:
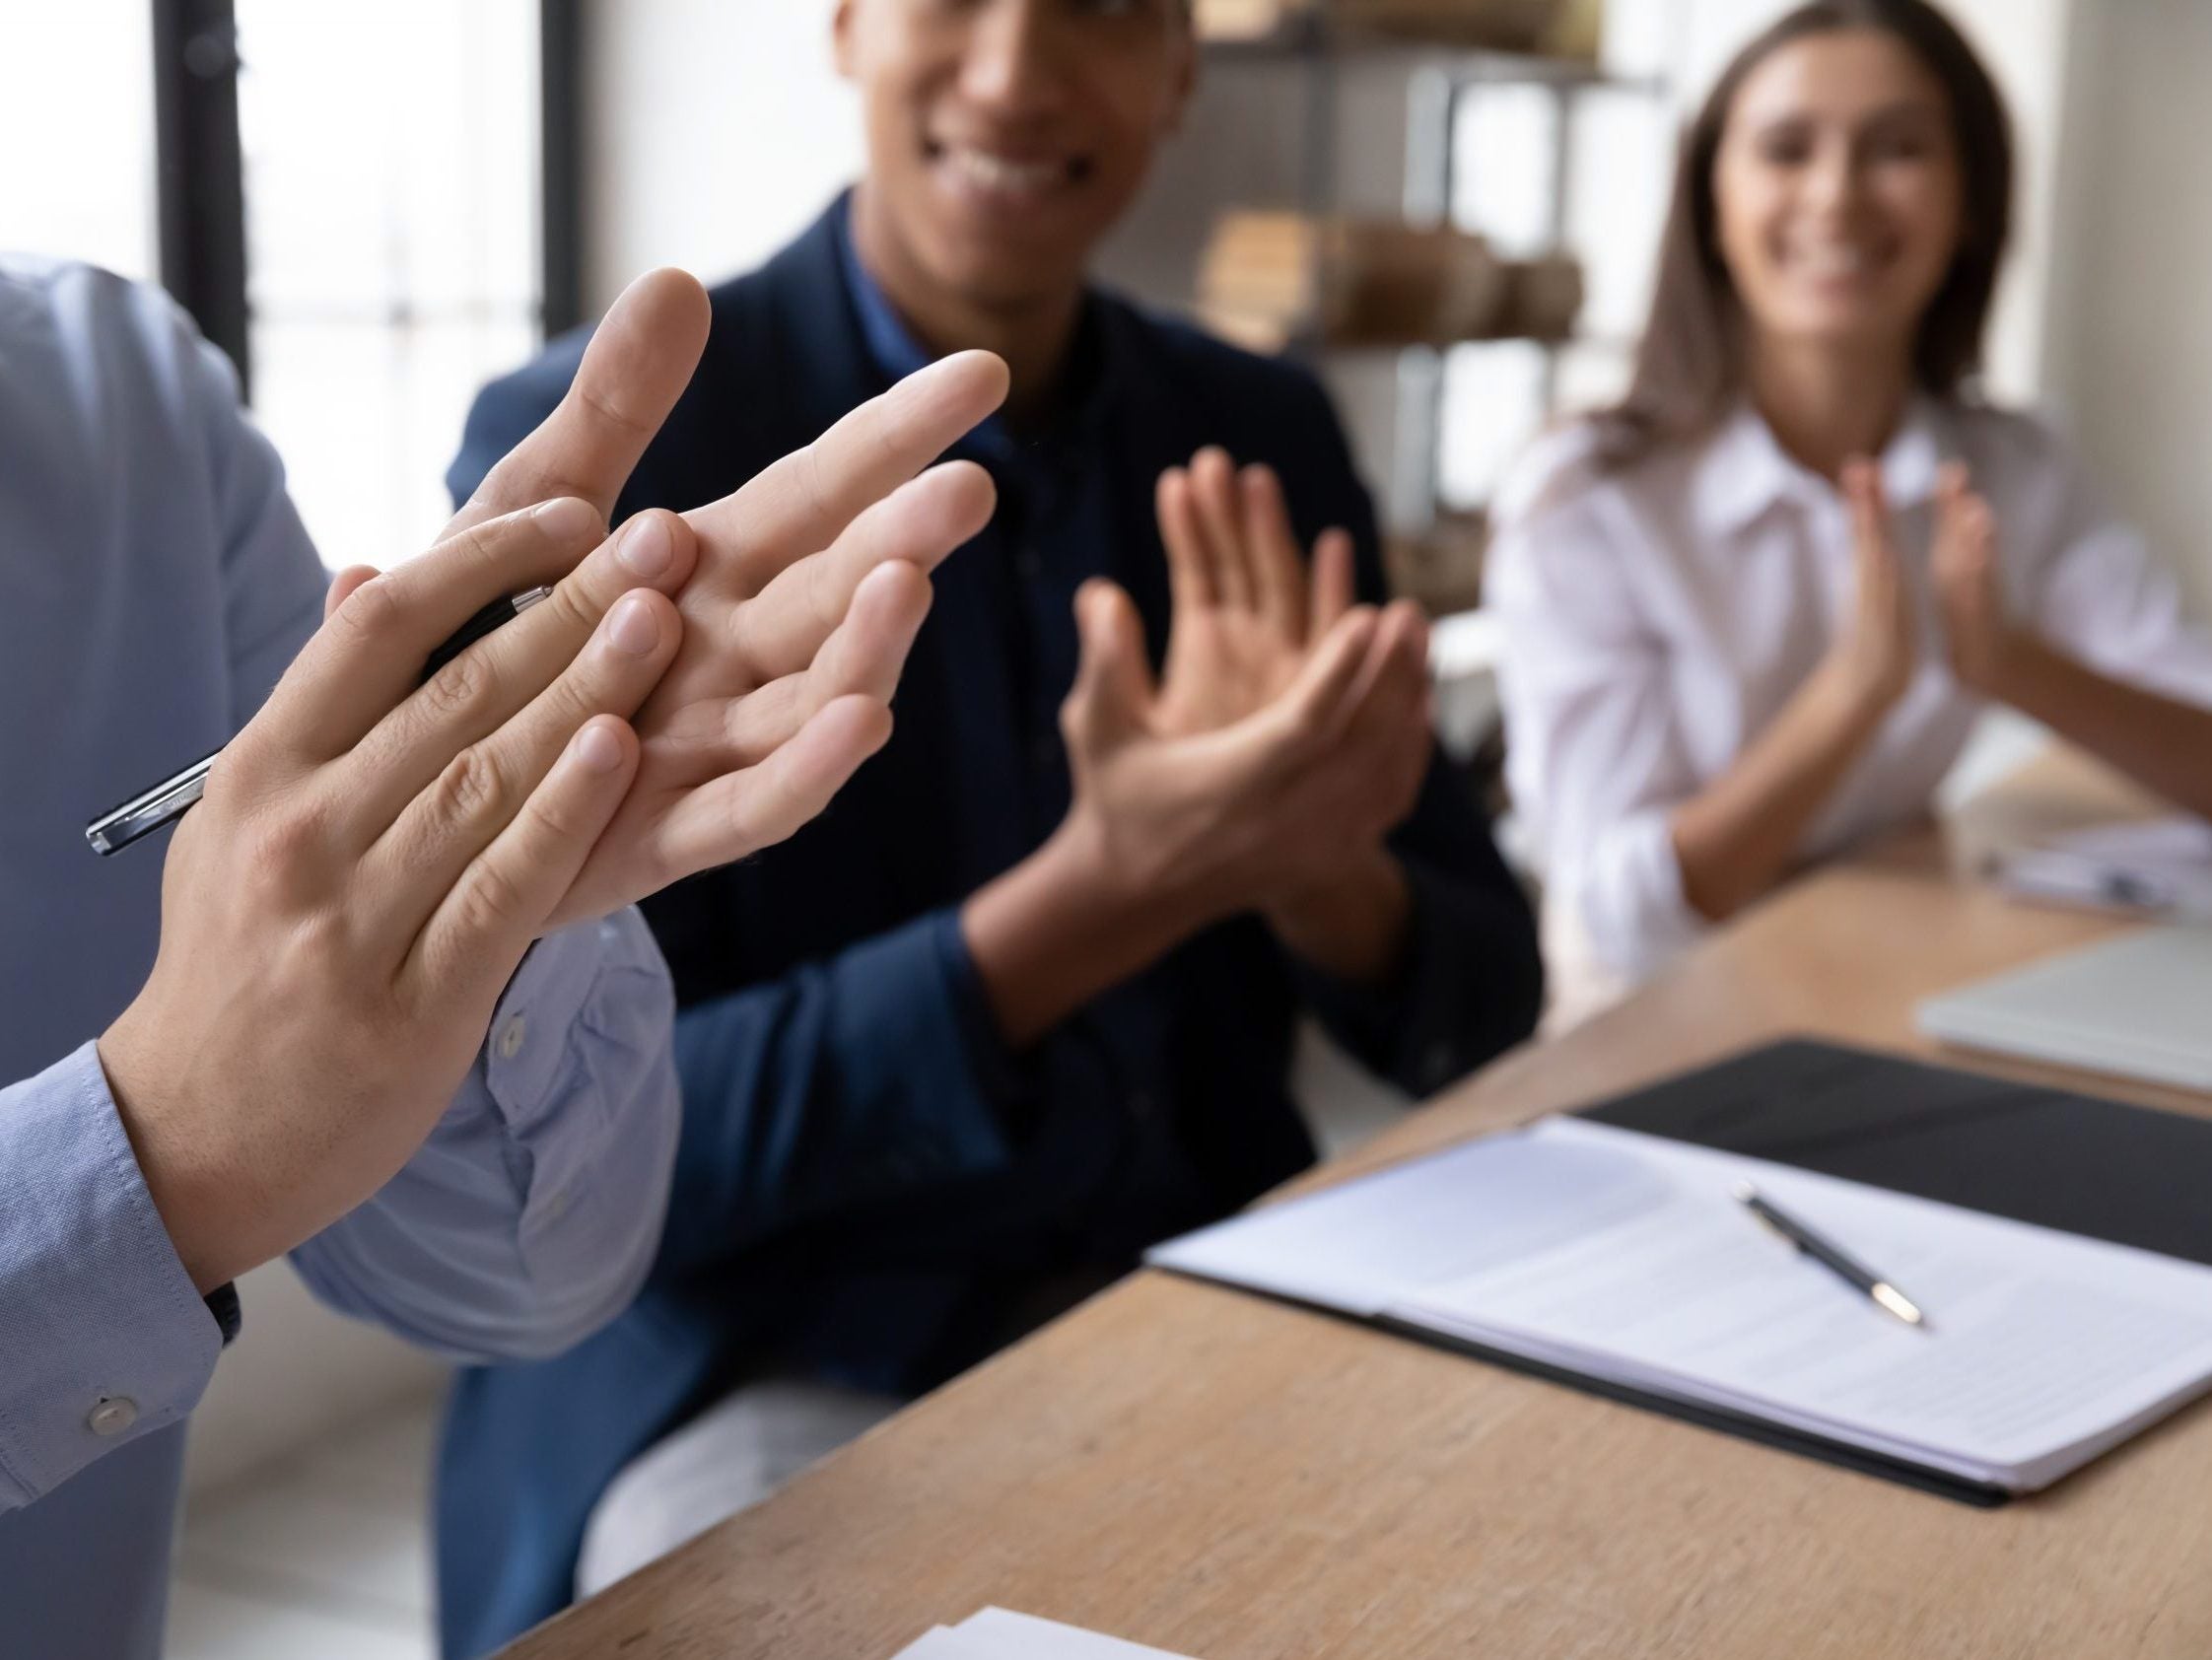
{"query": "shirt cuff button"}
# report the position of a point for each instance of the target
(112, 1415)
(510, 1041)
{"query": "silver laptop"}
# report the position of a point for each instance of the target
(2139, 1006)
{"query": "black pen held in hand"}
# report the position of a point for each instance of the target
(173, 797)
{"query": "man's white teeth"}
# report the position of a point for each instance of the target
(996, 173)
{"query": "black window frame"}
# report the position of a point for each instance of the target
(201, 182)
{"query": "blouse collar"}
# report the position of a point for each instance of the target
(1745, 471)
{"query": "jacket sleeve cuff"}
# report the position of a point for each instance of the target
(1006, 1081)
(1458, 987)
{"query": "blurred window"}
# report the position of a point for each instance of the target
(391, 160)
(77, 125)
(1607, 210)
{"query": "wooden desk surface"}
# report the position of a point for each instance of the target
(1237, 1479)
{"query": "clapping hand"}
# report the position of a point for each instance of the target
(374, 857)
(1875, 656)
(1245, 608)
(1963, 559)
(1288, 733)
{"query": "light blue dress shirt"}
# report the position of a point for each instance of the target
(154, 582)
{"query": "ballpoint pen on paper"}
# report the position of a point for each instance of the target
(1884, 1293)
(174, 797)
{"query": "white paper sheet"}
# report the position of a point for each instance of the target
(1362, 1247)
(997, 1634)
(1023, 1636)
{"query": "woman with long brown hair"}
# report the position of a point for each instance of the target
(1753, 610)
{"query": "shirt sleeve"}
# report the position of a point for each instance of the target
(531, 1216)
(875, 1070)
(1595, 754)
(103, 1334)
(272, 580)
(2104, 598)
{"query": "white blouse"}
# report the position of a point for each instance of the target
(1656, 617)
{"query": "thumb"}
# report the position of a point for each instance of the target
(1881, 574)
(1870, 511)
(1112, 691)
(1334, 582)
(342, 586)
(1964, 532)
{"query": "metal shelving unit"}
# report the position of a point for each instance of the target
(1441, 80)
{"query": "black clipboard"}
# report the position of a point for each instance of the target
(2077, 1163)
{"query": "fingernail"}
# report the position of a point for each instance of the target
(632, 629)
(597, 749)
(566, 518)
(646, 547)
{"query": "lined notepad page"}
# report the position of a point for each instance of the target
(1622, 1257)
(998, 1634)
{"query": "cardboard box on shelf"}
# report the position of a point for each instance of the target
(1269, 278)
(1439, 567)
(1563, 28)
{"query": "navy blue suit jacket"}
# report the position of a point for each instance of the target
(871, 1189)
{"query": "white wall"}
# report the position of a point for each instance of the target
(2130, 330)
(77, 126)
(717, 129)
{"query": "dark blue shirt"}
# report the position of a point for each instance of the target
(870, 1187)
(1056, 504)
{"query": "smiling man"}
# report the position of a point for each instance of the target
(1154, 792)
